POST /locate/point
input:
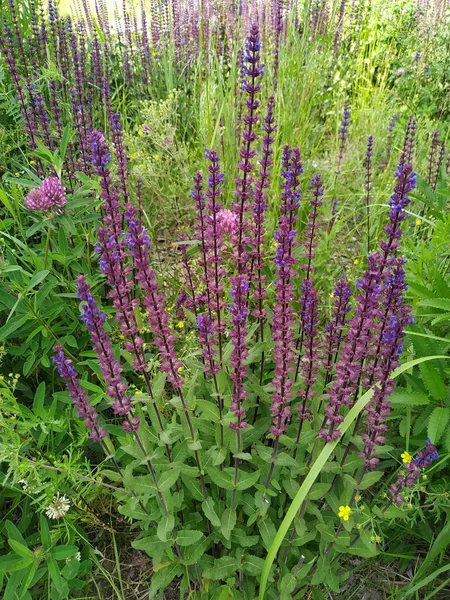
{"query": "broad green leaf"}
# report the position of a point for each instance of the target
(187, 537)
(167, 478)
(221, 478)
(437, 423)
(433, 381)
(21, 550)
(228, 522)
(63, 552)
(165, 527)
(10, 563)
(222, 568)
(209, 509)
(369, 479)
(163, 578)
(253, 564)
(247, 480)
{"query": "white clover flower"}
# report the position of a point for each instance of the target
(59, 506)
(24, 483)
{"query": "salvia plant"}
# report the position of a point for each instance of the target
(284, 401)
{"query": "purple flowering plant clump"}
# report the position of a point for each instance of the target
(212, 445)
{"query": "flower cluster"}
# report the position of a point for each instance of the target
(50, 196)
(79, 397)
(412, 470)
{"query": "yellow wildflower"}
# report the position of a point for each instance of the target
(180, 369)
(418, 221)
(357, 497)
(406, 457)
(344, 512)
(356, 261)
(140, 132)
(180, 324)
(157, 157)
(133, 155)
(331, 294)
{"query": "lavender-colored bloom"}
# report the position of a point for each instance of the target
(226, 221)
(412, 470)
(340, 27)
(384, 359)
(78, 395)
(112, 252)
(35, 200)
(158, 318)
(110, 367)
(259, 210)
(121, 157)
(341, 294)
(52, 189)
(283, 333)
(358, 342)
(239, 312)
(206, 334)
(244, 183)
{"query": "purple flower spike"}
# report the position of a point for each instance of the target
(79, 397)
(283, 314)
(239, 312)
(158, 318)
(412, 470)
(111, 369)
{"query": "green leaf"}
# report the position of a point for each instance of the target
(221, 478)
(13, 562)
(165, 527)
(54, 573)
(187, 537)
(437, 423)
(222, 568)
(167, 479)
(247, 480)
(443, 303)
(369, 479)
(45, 532)
(63, 552)
(433, 381)
(317, 467)
(21, 550)
(164, 577)
(12, 325)
(405, 397)
(36, 279)
(253, 564)
(228, 522)
(209, 509)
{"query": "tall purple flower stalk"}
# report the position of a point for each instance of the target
(110, 367)
(361, 326)
(158, 318)
(435, 159)
(239, 312)
(309, 255)
(342, 139)
(120, 152)
(283, 332)
(78, 395)
(244, 183)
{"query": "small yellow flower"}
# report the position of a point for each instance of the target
(331, 294)
(140, 132)
(157, 157)
(32, 162)
(180, 369)
(378, 539)
(406, 457)
(180, 324)
(356, 261)
(357, 497)
(344, 512)
(418, 221)
(138, 392)
(133, 155)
